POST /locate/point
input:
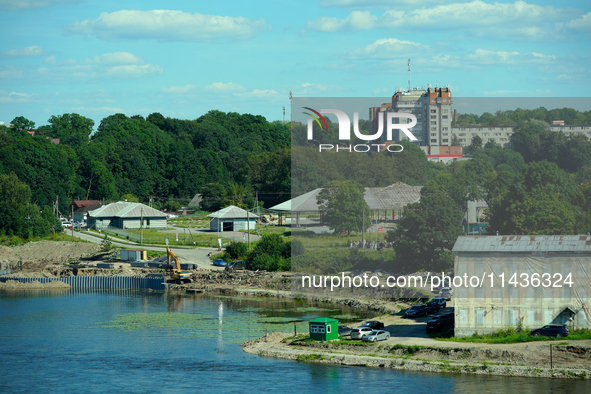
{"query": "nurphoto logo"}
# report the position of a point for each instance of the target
(345, 129)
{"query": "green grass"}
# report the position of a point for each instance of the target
(310, 357)
(508, 335)
(159, 237)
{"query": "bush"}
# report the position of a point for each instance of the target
(236, 249)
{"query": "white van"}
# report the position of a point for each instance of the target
(446, 292)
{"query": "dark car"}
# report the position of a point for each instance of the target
(440, 323)
(236, 265)
(373, 324)
(344, 331)
(432, 307)
(441, 301)
(551, 330)
(416, 311)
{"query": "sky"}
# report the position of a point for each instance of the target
(185, 58)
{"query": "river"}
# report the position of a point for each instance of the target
(150, 342)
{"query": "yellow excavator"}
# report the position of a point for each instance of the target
(178, 276)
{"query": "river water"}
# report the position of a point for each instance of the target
(149, 342)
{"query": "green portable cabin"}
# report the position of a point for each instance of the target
(324, 329)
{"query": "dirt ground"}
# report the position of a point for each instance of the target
(49, 251)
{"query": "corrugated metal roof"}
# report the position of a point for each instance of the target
(523, 243)
(232, 212)
(395, 196)
(124, 209)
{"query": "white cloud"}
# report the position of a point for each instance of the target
(357, 20)
(258, 93)
(221, 87)
(484, 57)
(134, 71)
(167, 25)
(387, 48)
(178, 89)
(308, 88)
(11, 72)
(106, 65)
(518, 20)
(116, 58)
(372, 3)
(99, 109)
(15, 97)
(583, 23)
(17, 5)
(31, 51)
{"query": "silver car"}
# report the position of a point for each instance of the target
(360, 332)
(376, 335)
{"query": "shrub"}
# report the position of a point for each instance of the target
(236, 249)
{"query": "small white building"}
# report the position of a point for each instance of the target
(124, 214)
(232, 218)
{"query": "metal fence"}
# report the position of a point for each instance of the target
(99, 282)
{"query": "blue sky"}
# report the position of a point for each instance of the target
(184, 58)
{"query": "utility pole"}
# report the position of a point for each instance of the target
(141, 225)
(248, 227)
(363, 228)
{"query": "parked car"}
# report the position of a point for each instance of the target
(376, 335)
(236, 265)
(360, 332)
(373, 324)
(220, 263)
(551, 330)
(432, 307)
(440, 323)
(446, 292)
(345, 331)
(67, 224)
(441, 301)
(416, 311)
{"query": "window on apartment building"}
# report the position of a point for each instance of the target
(498, 134)
(433, 134)
(462, 134)
(433, 128)
(503, 139)
(433, 116)
(485, 134)
(445, 111)
(462, 140)
(444, 117)
(445, 128)
(445, 133)
(444, 140)
(432, 122)
(473, 134)
(434, 140)
(445, 100)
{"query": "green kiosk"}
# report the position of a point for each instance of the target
(324, 329)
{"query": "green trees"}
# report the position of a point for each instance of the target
(17, 215)
(72, 129)
(429, 228)
(342, 206)
(22, 123)
(539, 200)
(270, 254)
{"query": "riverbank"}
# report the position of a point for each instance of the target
(523, 360)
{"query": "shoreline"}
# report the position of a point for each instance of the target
(278, 345)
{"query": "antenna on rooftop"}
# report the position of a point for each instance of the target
(409, 75)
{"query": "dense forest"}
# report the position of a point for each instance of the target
(570, 116)
(224, 156)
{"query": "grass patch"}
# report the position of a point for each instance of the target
(410, 350)
(509, 335)
(306, 358)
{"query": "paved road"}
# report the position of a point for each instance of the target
(196, 256)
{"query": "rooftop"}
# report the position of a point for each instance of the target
(523, 243)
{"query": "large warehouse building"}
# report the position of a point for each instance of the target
(550, 275)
